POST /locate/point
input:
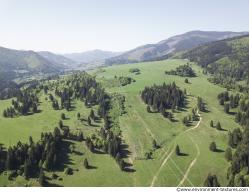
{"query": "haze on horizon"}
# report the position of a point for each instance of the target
(63, 26)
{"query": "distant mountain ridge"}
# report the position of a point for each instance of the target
(91, 56)
(27, 61)
(173, 44)
(57, 59)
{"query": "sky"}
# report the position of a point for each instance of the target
(65, 26)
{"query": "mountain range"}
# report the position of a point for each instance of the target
(26, 61)
(96, 55)
(19, 61)
(171, 45)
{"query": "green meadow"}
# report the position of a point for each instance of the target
(138, 129)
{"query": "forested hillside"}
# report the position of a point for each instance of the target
(227, 60)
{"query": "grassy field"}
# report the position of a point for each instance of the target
(138, 128)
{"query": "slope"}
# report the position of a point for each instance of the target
(174, 44)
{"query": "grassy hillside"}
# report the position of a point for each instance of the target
(138, 128)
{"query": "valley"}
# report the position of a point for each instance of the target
(138, 129)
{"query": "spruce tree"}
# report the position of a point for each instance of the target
(228, 154)
(211, 123)
(42, 179)
(86, 165)
(212, 146)
(218, 126)
(177, 150)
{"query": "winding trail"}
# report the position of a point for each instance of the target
(169, 155)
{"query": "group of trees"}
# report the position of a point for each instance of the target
(228, 101)
(217, 126)
(31, 158)
(182, 70)
(234, 137)
(26, 102)
(54, 101)
(123, 81)
(108, 143)
(163, 97)
(211, 181)
(190, 118)
(242, 116)
(8, 88)
(84, 87)
(200, 104)
(239, 161)
(136, 71)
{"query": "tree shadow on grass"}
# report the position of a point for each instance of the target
(231, 113)
(174, 120)
(78, 153)
(48, 184)
(219, 151)
(128, 167)
(63, 156)
(124, 151)
(96, 151)
(183, 154)
(222, 129)
(92, 167)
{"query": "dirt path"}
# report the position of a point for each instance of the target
(191, 164)
(169, 155)
(160, 168)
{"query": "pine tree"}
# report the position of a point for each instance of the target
(226, 108)
(177, 150)
(211, 123)
(211, 181)
(63, 116)
(148, 109)
(218, 126)
(154, 144)
(86, 165)
(212, 146)
(78, 116)
(92, 115)
(89, 121)
(27, 165)
(42, 179)
(60, 124)
(228, 154)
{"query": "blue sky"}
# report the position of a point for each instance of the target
(78, 25)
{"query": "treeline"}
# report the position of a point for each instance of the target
(182, 70)
(237, 172)
(26, 102)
